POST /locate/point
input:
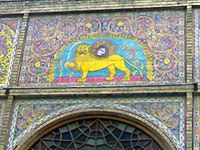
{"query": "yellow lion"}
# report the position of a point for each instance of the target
(85, 60)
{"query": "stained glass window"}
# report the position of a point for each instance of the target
(96, 134)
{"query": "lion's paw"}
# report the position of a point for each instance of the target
(126, 79)
(81, 80)
(109, 78)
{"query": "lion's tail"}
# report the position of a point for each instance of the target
(134, 67)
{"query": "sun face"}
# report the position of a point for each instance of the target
(103, 48)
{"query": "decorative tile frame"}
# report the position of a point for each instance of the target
(196, 122)
(31, 114)
(196, 42)
(8, 38)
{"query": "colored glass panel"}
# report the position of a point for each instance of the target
(97, 134)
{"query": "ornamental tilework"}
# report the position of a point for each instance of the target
(167, 114)
(104, 49)
(196, 123)
(197, 32)
(9, 30)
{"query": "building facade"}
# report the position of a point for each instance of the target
(93, 75)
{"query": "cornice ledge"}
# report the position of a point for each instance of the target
(45, 7)
(31, 91)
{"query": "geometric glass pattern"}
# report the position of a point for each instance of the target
(96, 134)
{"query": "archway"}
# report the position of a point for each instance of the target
(97, 129)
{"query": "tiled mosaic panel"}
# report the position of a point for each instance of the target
(1, 113)
(96, 49)
(9, 29)
(196, 123)
(166, 113)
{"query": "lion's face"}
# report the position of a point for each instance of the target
(83, 49)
